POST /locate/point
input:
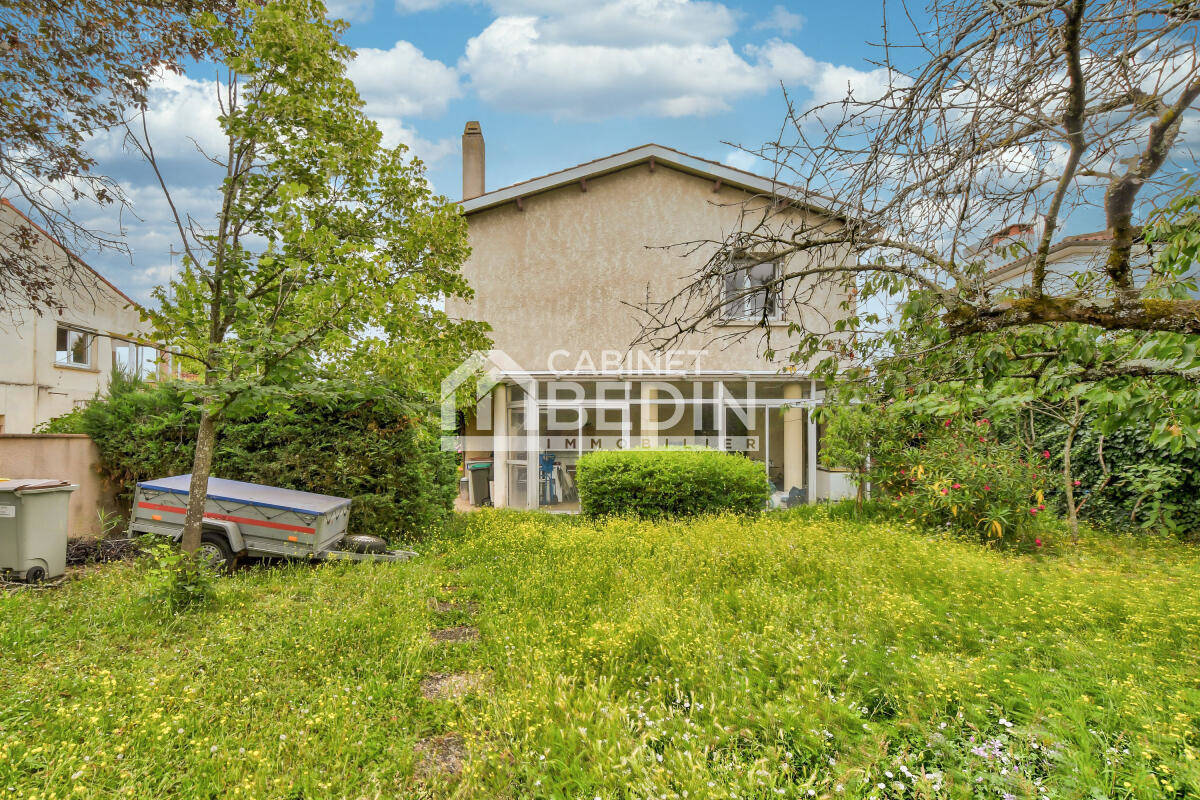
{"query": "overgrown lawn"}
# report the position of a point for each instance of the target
(789, 656)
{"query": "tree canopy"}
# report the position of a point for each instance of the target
(70, 71)
(326, 242)
(1012, 111)
(935, 205)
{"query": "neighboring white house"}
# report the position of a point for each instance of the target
(53, 362)
(557, 263)
(1067, 259)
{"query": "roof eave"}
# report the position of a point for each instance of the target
(1069, 243)
(729, 176)
(67, 252)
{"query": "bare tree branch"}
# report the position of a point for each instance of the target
(994, 128)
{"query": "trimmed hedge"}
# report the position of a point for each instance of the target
(669, 483)
(377, 448)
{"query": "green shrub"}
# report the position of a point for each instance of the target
(1147, 487)
(668, 483)
(379, 449)
(959, 475)
(179, 581)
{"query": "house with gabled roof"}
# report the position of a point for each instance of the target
(1066, 258)
(53, 361)
(560, 265)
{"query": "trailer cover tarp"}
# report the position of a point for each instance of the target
(253, 494)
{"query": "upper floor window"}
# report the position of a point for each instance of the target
(750, 292)
(135, 360)
(74, 347)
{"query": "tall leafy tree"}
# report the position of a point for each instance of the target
(323, 238)
(982, 117)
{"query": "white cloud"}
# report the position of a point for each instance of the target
(740, 159)
(783, 61)
(411, 6)
(396, 132)
(511, 65)
(402, 82)
(668, 58)
(618, 22)
(641, 22)
(181, 114)
(780, 21)
(351, 10)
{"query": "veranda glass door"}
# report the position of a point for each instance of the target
(566, 430)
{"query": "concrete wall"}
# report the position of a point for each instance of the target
(33, 388)
(69, 457)
(556, 275)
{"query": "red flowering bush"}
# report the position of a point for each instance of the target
(958, 475)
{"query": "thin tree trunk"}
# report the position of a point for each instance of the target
(1068, 479)
(206, 438)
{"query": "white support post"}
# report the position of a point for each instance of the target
(533, 432)
(793, 439)
(719, 412)
(499, 445)
(648, 416)
(813, 444)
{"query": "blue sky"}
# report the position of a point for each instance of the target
(553, 83)
(554, 127)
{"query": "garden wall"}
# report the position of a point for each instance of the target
(66, 456)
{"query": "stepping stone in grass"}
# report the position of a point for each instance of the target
(440, 755)
(455, 635)
(447, 606)
(452, 685)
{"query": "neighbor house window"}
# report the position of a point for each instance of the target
(74, 348)
(750, 292)
(135, 360)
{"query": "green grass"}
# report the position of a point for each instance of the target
(789, 656)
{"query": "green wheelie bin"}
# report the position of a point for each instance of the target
(33, 527)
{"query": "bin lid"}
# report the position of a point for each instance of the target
(30, 484)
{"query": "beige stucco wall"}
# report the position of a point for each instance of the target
(68, 457)
(556, 275)
(33, 389)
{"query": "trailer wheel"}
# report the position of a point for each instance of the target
(363, 543)
(215, 549)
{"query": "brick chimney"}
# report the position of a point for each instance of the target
(472, 160)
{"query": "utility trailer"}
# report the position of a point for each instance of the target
(250, 519)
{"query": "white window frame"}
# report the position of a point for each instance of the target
(744, 309)
(66, 360)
